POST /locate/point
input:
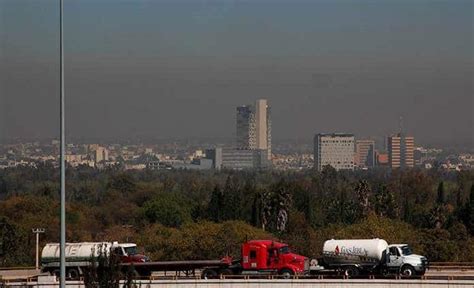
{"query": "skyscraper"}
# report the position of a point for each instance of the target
(365, 153)
(401, 150)
(101, 154)
(254, 127)
(336, 150)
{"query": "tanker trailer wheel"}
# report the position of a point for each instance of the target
(73, 274)
(56, 273)
(407, 271)
(208, 274)
(351, 271)
(286, 273)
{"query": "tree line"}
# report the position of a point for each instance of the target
(182, 214)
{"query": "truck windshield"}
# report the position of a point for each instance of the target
(406, 250)
(284, 250)
(131, 250)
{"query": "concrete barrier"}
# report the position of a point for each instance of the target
(264, 283)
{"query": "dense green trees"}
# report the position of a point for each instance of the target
(207, 214)
(166, 209)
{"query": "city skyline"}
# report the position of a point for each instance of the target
(190, 141)
(184, 71)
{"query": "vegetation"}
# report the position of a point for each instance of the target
(104, 271)
(207, 214)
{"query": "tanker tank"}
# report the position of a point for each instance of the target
(363, 249)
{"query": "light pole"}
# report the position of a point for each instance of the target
(37, 231)
(62, 248)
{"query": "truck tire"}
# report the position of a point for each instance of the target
(407, 271)
(208, 274)
(286, 273)
(73, 274)
(225, 272)
(56, 273)
(351, 271)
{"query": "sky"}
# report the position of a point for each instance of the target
(179, 68)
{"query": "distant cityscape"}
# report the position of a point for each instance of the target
(252, 148)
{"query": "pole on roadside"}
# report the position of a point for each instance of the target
(62, 278)
(37, 231)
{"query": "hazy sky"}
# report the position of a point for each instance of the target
(179, 68)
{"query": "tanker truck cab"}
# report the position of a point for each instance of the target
(271, 257)
(402, 259)
(128, 253)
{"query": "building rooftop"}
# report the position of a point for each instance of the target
(335, 134)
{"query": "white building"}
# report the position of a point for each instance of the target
(336, 150)
(101, 154)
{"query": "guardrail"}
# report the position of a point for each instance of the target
(289, 283)
(434, 266)
(247, 278)
(463, 266)
(18, 268)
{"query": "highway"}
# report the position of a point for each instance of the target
(453, 276)
(266, 283)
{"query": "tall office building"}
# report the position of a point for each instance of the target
(254, 127)
(400, 150)
(101, 154)
(365, 153)
(336, 150)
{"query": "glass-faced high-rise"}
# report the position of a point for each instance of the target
(254, 127)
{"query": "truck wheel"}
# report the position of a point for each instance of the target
(351, 271)
(225, 272)
(407, 271)
(286, 273)
(56, 273)
(73, 274)
(208, 274)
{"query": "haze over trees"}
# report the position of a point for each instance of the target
(207, 214)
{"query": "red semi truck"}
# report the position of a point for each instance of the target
(258, 257)
(264, 257)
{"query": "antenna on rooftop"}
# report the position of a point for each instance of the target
(400, 125)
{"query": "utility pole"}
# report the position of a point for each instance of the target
(62, 249)
(37, 231)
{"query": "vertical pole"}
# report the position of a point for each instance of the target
(62, 152)
(37, 251)
(37, 231)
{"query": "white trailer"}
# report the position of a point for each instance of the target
(369, 256)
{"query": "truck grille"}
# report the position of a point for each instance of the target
(424, 262)
(306, 264)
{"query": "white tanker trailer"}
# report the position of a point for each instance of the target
(369, 256)
(79, 255)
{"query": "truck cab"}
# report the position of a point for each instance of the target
(401, 258)
(267, 256)
(128, 253)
